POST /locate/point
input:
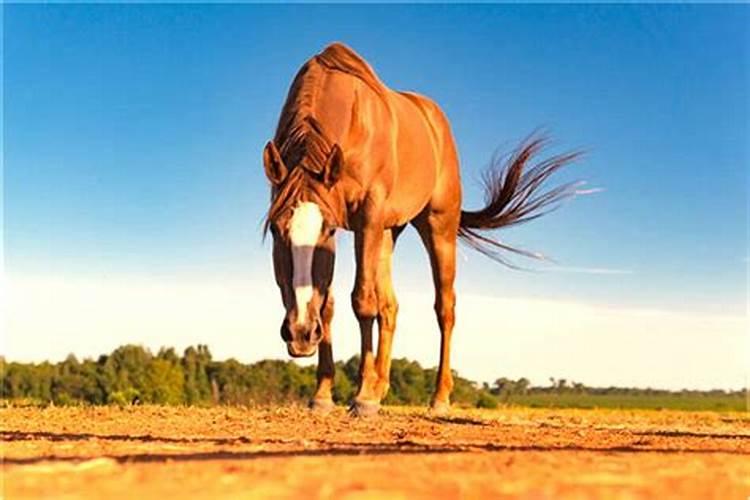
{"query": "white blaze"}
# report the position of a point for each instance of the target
(304, 230)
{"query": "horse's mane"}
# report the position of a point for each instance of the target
(301, 139)
(339, 57)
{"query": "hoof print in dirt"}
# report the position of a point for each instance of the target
(364, 409)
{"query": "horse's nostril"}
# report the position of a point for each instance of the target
(286, 335)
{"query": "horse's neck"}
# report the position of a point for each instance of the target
(355, 117)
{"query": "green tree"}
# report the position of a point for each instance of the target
(76, 382)
(230, 377)
(165, 382)
(522, 385)
(127, 368)
(195, 363)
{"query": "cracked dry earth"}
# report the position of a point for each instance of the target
(285, 452)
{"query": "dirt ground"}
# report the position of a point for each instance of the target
(144, 452)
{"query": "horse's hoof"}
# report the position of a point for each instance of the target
(439, 408)
(322, 406)
(364, 409)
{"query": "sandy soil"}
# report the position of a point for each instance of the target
(143, 452)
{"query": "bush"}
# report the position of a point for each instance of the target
(123, 398)
(486, 400)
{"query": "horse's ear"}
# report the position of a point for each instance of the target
(333, 165)
(275, 169)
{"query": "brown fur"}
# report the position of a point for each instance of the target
(375, 160)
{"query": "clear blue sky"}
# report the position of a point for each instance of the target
(133, 137)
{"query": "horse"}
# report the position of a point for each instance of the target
(349, 153)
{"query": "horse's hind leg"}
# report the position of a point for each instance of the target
(439, 230)
(387, 311)
(323, 398)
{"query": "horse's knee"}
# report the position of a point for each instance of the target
(445, 309)
(365, 303)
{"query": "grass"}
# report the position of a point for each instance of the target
(728, 402)
(720, 403)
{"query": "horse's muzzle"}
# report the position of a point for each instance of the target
(301, 339)
(301, 350)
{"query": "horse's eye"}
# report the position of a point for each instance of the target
(331, 232)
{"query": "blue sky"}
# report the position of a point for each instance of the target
(133, 138)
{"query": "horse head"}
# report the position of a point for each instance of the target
(303, 227)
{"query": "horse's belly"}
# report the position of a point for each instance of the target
(415, 180)
(411, 191)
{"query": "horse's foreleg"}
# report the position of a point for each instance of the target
(323, 398)
(387, 311)
(365, 304)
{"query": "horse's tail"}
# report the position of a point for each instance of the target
(514, 195)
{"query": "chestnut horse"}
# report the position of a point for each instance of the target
(350, 153)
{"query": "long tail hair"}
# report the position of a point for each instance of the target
(514, 195)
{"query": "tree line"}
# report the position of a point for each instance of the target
(133, 374)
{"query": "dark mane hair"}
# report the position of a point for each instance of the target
(285, 196)
(301, 139)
